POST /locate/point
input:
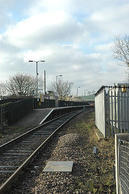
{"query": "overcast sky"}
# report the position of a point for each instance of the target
(74, 37)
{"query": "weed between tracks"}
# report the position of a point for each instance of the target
(99, 175)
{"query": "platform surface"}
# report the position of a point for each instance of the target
(58, 166)
(32, 119)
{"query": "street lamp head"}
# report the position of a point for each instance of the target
(36, 61)
(59, 75)
(31, 61)
(36, 73)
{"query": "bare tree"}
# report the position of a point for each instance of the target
(21, 84)
(121, 49)
(62, 89)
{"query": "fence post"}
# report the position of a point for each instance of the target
(112, 116)
(115, 116)
(117, 163)
(118, 105)
(107, 113)
(105, 108)
(127, 111)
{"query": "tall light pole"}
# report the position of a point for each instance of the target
(57, 77)
(57, 85)
(84, 92)
(77, 90)
(36, 74)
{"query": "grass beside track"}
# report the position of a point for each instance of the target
(99, 177)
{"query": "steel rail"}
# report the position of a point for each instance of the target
(20, 170)
(22, 136)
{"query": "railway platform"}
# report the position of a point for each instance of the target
(33, 119)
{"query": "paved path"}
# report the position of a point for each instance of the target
(33, 118)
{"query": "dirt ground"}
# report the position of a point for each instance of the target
(92, 173)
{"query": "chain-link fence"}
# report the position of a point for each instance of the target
(122, 163)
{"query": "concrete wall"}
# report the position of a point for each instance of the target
(100, 112)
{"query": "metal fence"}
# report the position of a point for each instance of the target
(12, 111)
(49, 103)
(122, 163)
(112, 110)
(3, 115)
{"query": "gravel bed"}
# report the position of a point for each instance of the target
(57, 182)
(67, 146)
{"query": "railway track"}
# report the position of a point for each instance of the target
(18, 153)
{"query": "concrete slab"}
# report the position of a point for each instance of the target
(59, 166)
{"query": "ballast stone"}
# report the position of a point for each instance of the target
(59, 166)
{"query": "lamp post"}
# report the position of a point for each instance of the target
(57, 77)
(36, 74)
(57, 85)
(77, 90)
(84, 92)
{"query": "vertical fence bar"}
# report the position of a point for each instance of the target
(123, 112)
(115, 110)
(117, 163)
(122, 106)
(108, 113)
(120, 112)
(118, 105)
(110, 116)
(127, 110)
(112, 113)
(105, 113)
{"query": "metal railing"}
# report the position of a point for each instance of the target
(122, 163)
(112, 110)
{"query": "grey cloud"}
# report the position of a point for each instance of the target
(57, 34)
(6, 47)
(94, 70)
